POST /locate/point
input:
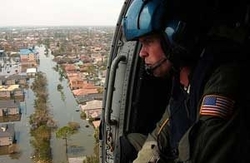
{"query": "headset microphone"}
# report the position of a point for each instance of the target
(150, 68)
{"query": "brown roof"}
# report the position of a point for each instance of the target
(8, 103)
(84, 91)
(75, 78)
(96, 123)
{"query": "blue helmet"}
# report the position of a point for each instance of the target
(184, 25)
(148, 16)
(143, 17)
(166, 17)
(179, 19)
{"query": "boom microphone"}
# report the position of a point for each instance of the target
(150, 68)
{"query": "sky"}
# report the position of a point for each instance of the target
(60, 12)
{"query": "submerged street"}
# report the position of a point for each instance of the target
(63, 110)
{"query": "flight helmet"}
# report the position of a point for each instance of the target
(168, 18)
(183, 25)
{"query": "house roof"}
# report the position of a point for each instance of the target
(69, 67)
(31, 70)
(84, 91)
(96, 123)
(8, 104)
(95, 104)
(89, 97)
(17, 76)
(26, 51)
(75, 78)
(8, 88)
(7, 130)
(2, 77)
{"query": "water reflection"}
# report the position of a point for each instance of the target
(63, 108)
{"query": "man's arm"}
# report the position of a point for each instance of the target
(215, 136)
(149, 151)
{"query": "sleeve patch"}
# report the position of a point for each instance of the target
(219, 106)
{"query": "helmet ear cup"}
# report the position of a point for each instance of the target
(178, 43)
(170, 50)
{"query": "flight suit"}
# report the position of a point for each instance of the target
(217, 112)
(221, 132)
(176, 124)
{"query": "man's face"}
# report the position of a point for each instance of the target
(152, 53)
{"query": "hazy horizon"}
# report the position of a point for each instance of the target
(60, 13)
(3, 26)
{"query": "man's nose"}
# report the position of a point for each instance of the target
(143, 52)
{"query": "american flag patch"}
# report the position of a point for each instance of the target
(219, 106)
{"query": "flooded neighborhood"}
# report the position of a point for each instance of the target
(73, 62)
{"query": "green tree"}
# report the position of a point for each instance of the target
(65, 133)
(74, 125)
(59, 87)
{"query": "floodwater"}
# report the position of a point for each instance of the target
(63, 110)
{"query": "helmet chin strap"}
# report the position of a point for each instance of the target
(150, 69)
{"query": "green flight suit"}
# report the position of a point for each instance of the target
(215, 136)
(219, 134)
(148, 145)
